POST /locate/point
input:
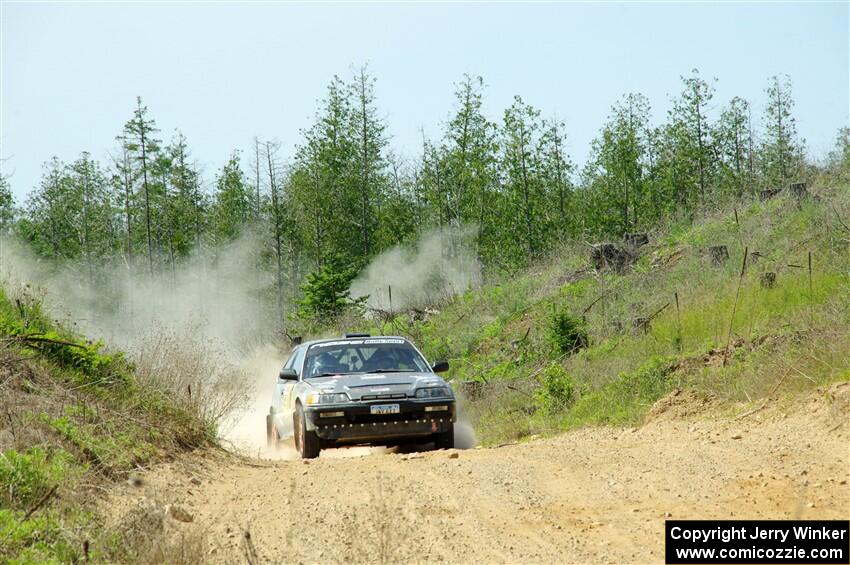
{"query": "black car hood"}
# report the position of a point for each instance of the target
(376, 386)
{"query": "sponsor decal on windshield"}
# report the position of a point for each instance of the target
(357, 342)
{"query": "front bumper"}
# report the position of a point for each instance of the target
(358, 423)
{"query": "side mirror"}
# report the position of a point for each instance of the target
(288, 375)
(440, 366)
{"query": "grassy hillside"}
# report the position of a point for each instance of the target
(510, 343)
(74, 420)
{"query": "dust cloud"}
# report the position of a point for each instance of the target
(442, 264)
(204, 322)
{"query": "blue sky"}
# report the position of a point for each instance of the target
(224, 73)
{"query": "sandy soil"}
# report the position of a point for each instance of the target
(590, 496)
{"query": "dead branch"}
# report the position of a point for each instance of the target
(592, 304)
(657, 312)
(41, 502)
(838, 217)
(34, 338)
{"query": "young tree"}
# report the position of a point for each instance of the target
(140, 142)
(690, 123)
(123, 181)
(556, 169)
(45, 224)
(522, 180)
(734, 143)
(781, 151)
(467, 168)
(89, 205)
(616, 168)
(370, 140)
(69, 215)
(232, 206)
(186, 201)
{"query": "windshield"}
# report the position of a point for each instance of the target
(363, 356)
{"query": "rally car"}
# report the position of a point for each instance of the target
(360, 389)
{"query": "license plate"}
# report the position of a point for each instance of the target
(385, 409)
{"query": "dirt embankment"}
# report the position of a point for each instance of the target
(594, 495)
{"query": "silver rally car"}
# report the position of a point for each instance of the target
(360, 390)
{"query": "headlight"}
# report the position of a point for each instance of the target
(434, 392)
(334, 398)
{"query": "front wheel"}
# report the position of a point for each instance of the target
(445, 440)
(306, 442)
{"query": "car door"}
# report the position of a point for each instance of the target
(289, 393)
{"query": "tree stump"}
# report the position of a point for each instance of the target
(768, 193)
(636, 240)
(798, 189)
(610, 256)
(641, 325)
(768, 280)
(719, 255)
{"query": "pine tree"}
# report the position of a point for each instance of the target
(467, 169)
(734, 142)
(692, 147)
(616, 168)
(141, 144)
(523, 184)
(231, 209)
(556, 169)
(89, 204)
(370, 140)
(781, 151)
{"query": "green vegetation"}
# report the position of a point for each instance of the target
(662, 325)
(346, 196)
(567, 332)
(549, 342)
(76, 419)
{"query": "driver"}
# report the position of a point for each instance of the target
(382, 360)
(325, 364)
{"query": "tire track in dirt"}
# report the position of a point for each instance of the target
(593, 495)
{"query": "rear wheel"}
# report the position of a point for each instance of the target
(306, 442)
(270, 440)
(445, 440)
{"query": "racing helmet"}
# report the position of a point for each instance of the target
(325, 363)
(381, 359)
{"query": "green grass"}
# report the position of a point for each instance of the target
(502, 334)
(75, 420)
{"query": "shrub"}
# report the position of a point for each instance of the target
(326, 292)
(558, 390)
(567, 333)
(26, 477)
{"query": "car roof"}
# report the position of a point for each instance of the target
(313, 342)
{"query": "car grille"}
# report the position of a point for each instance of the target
(366, 397)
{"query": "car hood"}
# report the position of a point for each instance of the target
(376, 386)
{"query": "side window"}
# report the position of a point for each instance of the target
(288, 364)
(298, 359)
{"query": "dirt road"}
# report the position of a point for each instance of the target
(595, 495)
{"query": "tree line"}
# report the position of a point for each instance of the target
(345, 195)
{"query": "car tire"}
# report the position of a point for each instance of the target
(306, 442)
(270, 440)
(445, 440)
